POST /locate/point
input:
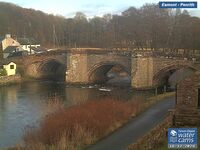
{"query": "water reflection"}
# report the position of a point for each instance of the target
(25, 104)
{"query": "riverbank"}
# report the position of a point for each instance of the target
(7, 80)
(87, 130)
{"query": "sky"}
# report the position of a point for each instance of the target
(68, 8)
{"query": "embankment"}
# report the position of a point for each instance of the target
(5, 80)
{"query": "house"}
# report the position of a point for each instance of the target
(29, 45)
(18, 54)
(20, 47)
(9, 67)
(187, 110)
(8, 45)
(10, 49)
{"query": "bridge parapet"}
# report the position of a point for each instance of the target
(170, 54)
(167, 54)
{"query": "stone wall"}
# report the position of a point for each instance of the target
(154, 137)
(4, 80)
(149, 72)
(163, 66)
(76, 68)
(187, 111)
(95, 60)
(85, 68)
(29, 66)
(142, 72)
(187, 91)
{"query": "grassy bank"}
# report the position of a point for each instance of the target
(80, 125)
(154, 99)
(76, 127)
(7, 80)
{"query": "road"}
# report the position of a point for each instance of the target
(136, 128)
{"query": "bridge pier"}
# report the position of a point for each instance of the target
(142, 73)
(76, 72)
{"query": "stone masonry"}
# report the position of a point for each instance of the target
(187, 111)
(90, 66)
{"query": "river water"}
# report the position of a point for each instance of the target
(24, 105)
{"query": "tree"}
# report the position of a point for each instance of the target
(136, 28)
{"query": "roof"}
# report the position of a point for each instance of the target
(17, 54)
(27, 41)
(10, 49)
(38, 49)
(6, 62)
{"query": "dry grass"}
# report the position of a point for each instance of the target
(78, 126)
(53, 105)
(81, 125)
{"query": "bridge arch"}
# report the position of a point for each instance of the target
(50, 69)
(162, 76)
(98, 72)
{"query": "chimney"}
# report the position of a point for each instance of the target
(7, 36)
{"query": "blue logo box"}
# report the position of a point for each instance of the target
(182, 138)
(178, 4)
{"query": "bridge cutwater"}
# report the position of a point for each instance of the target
(147, 69)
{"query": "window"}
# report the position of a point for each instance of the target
(198, 97)
(12, 67)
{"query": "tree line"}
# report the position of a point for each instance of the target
(147, 27)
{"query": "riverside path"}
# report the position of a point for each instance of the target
(136, 128)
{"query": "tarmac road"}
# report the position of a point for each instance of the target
(136, 128)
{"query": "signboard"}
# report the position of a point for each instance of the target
(174, 4)
(182, 138)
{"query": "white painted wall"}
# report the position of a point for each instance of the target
(27, 48)
(9, 69)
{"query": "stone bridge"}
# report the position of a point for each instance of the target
(147, 69)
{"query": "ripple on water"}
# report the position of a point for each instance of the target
(25, 104)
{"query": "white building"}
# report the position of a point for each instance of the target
(29, 45)
(10, 68)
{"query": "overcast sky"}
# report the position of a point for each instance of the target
(91, 8)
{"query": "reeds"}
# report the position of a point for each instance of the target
(80, 125)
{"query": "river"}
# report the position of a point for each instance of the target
(24, 105)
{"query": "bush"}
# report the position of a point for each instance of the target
(3, 72)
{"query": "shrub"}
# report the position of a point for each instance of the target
(3, 72)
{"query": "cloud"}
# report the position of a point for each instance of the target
(91, 8)
(195, 13)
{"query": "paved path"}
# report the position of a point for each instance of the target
(136, 128)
